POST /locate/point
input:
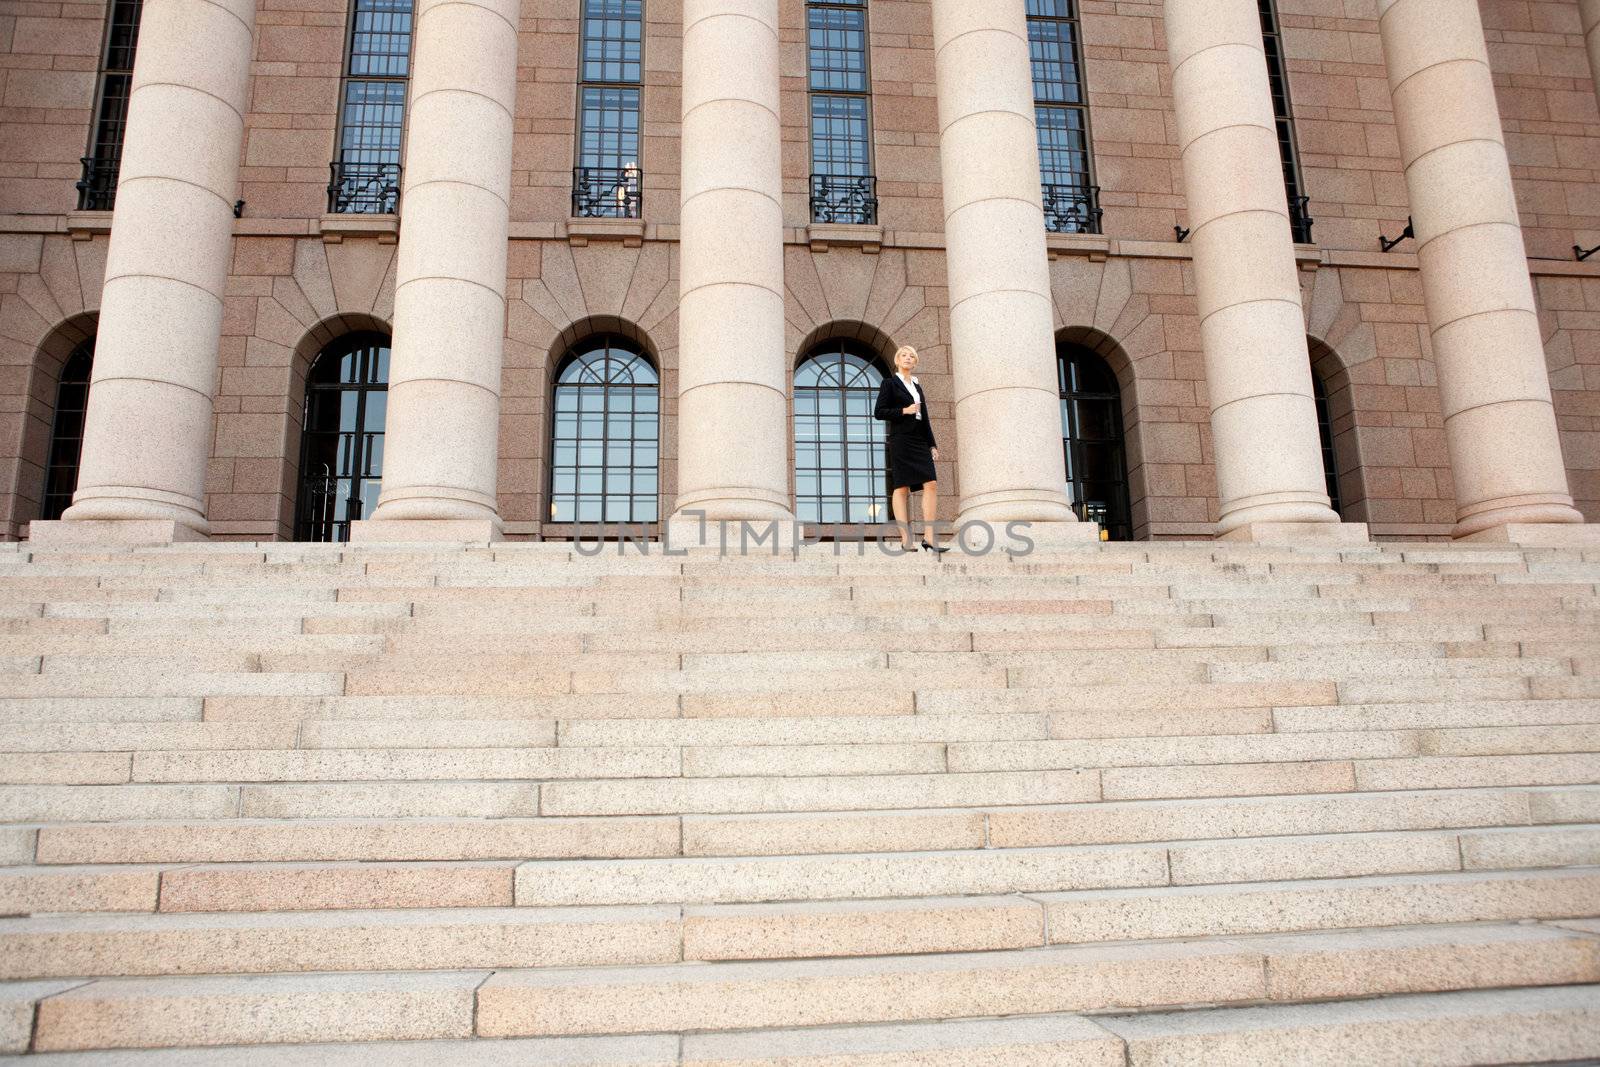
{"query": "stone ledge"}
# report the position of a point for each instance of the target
(111, 532)
(629, 231)
(1540, 534)
(1095, 246)
(83, 225)
(424, 531)
(822, 236)
(1295, 533)
(335, 228)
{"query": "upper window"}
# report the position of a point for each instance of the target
(366, 171)
(1278, 76)
(606, 181)
(1091, 431)
(66, 432)
(341, 452)
(1071, 199)
(605, 438)
(843, 188)
(839, 462)
(97, 190)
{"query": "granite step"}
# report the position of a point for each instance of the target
(235, 840)
(1427, 1030)
(1523, 1025)
(165, 1012)
(658, 1050)
(1130, 975)
(1022, 869)
(346, 940)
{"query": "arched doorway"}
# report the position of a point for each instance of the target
(341, 450)
(1092, 437)
(1330, 463)
(605, 434)
(839, 462)
(66, 431)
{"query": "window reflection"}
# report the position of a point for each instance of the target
(605, 435)
(840, 472)
(341, 455)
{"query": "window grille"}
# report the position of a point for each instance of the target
(97, 189)
(364, 177)
(1300, 220)
(1071, 199)
(607, 181)
(843, 188)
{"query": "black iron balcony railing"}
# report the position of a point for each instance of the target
(607, 193)
(1072, 208)
(846, 198)
(363, 188)
(97, 189)
(1300, 220)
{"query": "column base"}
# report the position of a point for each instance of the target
(414, 531)
(1299, 533)
(1540, 534)
(111, 532)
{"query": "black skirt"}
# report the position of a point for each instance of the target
(910, 461)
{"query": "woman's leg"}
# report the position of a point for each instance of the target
(930, 504)
(900, 502)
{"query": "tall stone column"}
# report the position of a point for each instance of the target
(1500, 427)
(1267, 452)
(149, 425)
(732, 367)
(1003, 353)
(442, 439)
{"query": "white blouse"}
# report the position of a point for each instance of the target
(916, 391)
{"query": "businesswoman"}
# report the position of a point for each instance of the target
(911, 444)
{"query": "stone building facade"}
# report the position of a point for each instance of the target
(730, 274)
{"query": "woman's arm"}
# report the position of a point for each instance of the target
(888, 409)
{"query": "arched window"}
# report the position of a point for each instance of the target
(606, 434)
(66, 432)
(341, 452)
(840, 473)
(1330, 463)
(1091, 430)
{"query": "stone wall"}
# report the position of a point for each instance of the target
(298, 282)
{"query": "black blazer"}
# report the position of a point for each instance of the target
(893, 398)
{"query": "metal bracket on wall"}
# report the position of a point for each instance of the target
(238, 209)
(1181, 232)
(1584, 253)
(1409, 231)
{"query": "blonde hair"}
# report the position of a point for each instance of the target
(902, 350)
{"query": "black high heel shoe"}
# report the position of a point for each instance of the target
(938, 549)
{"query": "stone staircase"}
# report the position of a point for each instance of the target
(1111, 804)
